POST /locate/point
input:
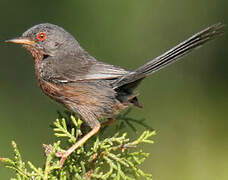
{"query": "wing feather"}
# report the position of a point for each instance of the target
(78, 68)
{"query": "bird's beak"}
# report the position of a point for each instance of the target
(21, 40)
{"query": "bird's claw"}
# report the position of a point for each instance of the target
(48, 149)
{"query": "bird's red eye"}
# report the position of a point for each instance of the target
(41, 36)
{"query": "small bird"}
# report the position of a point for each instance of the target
(93, 89)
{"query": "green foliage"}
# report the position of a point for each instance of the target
(114, 157)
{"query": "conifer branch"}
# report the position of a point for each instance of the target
(113, 158)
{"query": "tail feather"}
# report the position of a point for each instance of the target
(194, 42)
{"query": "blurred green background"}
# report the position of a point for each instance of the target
(186, 102)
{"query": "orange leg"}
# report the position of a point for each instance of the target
(78, 144)
(109, 121)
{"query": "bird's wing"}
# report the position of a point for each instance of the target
(78, 68)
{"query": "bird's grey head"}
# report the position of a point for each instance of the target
(49, 39)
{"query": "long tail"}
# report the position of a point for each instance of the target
(174, 54)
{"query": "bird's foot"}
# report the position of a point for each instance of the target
(48, 149)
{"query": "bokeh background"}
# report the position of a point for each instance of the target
(186, 102)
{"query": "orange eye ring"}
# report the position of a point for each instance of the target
(41, 36)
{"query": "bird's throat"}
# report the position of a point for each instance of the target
(36, 53)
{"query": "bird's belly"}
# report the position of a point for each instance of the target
(88, 100)
(50, 89)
